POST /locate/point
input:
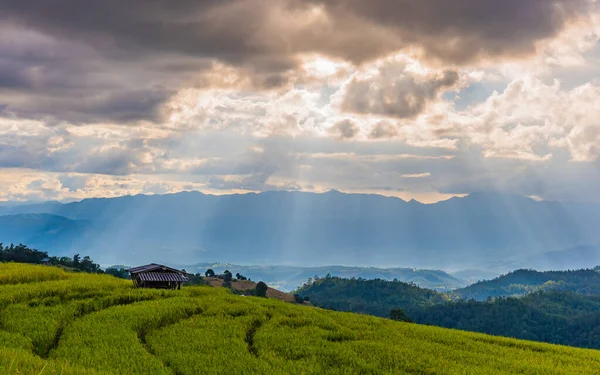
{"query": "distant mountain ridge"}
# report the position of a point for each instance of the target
(482, 230)
(523, 282)
(288, 278)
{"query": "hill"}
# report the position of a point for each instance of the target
(288, 278)
(565, 318)
(249, 286)
(554, 307)
(482, 230)
(53, 322)
(374, 297)
(522, 282)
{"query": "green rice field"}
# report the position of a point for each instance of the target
(55, 322)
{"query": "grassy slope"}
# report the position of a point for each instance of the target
(243, 285)
(52, 322)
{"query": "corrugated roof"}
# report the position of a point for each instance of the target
(162, 276)
(152, 267)
(147, 267)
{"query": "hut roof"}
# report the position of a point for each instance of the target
(162, 276)
(152, 267)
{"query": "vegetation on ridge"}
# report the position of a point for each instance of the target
(522, 282)
(374, 297)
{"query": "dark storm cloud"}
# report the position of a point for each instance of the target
(462, 30)
(237, 30)
(44, 77)
(121, 106)
(57, 55)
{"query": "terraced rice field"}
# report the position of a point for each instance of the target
(53, 322)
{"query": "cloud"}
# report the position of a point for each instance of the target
(464, 30)
(383, 130)
(63, 61)
(241, 30)
(74, 182)
(66, 80)
(104, 99)
(394, 90)
(124, 106)
(529, 119)
(416, 175)
(345, 129)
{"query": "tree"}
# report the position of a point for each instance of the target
(117, 272)
(209, 273)
(227, 277)
(399, 315)
(306, 299)
(261, 289)
(298, 298)
(87, 265)
(195, 279)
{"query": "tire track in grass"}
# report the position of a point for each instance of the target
(80, 312)
(256, 325)
(164, 324)
(250, 337)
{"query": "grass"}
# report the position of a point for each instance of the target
(54, 322)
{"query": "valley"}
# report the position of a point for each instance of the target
(491, 232)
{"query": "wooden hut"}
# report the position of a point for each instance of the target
(157, 276)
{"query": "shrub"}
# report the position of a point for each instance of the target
(399, 315)
(261, 289)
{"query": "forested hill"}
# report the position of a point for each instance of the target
(563, 307)
(374, 297)
(522, 282)
(565, 318)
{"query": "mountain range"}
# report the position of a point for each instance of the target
(486, 231)
(288, 278)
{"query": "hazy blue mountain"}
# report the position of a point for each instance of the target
(472, 276)
(288, 278)
(44, 231)
(572, 258)
(15, 208)
(482, 230)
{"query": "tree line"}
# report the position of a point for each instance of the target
(23, 254)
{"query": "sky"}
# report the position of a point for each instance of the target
(419, 99)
